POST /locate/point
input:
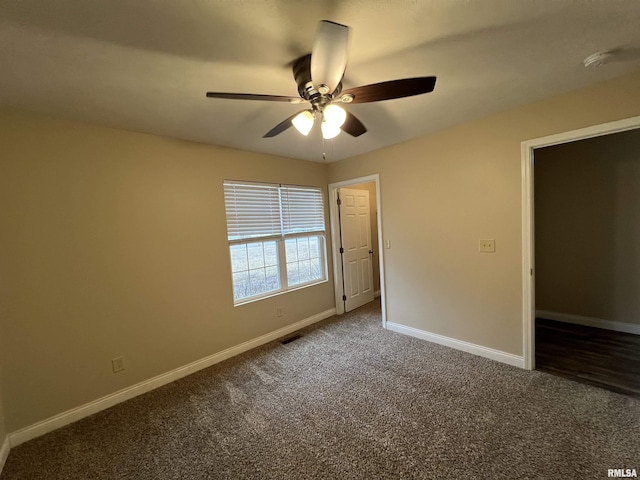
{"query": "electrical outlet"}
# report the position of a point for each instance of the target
(487, 245)
(117, 364)
(279, 311)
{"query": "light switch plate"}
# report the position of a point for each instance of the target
(487, 245)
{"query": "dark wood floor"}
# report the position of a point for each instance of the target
(590, 355)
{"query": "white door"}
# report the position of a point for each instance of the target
(357, 256)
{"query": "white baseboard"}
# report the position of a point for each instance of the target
(590, 321)
(500, 356)
(376, 294)
(78, 413)
(4, 452)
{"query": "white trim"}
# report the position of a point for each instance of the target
(334, 220)
(528, 272)
(335, 245)
(78, 413)
(528, 254)
(590, 321)
(4, 452)
(497, 355)
(376, 294)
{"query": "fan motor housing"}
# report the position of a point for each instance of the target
(302, 76)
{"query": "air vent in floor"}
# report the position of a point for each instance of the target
(290, 338)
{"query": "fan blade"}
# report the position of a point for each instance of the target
(377, 92)
(329, 54)
(253, 96)
(281, 127)
(353, 126)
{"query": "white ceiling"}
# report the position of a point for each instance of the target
(145, 65)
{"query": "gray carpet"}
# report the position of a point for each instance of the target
(348, 400)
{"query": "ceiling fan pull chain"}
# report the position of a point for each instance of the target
(324, 154)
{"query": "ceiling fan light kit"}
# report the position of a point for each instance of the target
(303, 122)
(334, 115)
(319, 79)
(329, 131)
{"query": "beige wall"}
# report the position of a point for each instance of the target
(373, 215)
(114, 244)
(587, 224)
(441, 193)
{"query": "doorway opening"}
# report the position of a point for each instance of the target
(528, 219)
(356, 235)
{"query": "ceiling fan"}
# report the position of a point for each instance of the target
(319, 79)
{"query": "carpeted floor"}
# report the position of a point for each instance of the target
(348, 400)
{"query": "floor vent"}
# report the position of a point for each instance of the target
(290, 338)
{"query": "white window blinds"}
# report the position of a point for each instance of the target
(302, 209)
(256, 210)
(253, 210)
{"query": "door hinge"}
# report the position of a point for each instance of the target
(341, 250)
(532, 272)
(339, 201)
(344, 298)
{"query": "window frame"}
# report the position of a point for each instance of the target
(280, 240)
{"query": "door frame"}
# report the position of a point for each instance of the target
(335, 240)
(528, 219)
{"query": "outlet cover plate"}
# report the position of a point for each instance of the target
(487, 245)
(117, 364)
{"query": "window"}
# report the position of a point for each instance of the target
(276, 238)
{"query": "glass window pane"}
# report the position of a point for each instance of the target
(241, 285)
(255, 269)
(256, 255)
(316, 269)
(291, 249)
(239, 258)
(314, 247)
(258, 281)
(303, 248)
(293, 277)
(272, 278)
(304, 265)
(305, 272)
(271, 253)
